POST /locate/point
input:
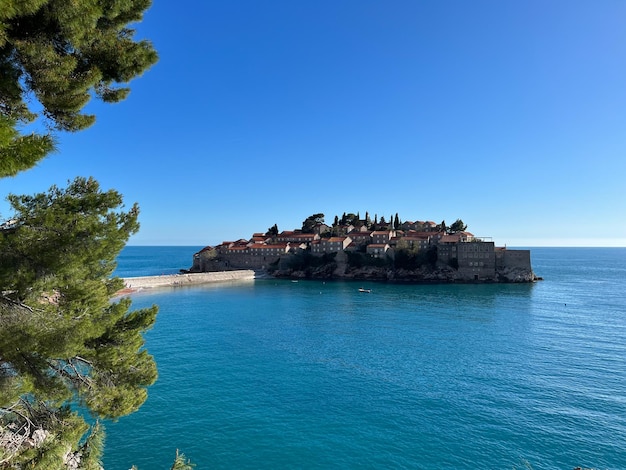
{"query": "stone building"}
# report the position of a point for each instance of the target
(330, 245)
(377, 250)
(476, 260)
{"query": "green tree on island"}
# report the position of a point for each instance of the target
(311, 221)
(272, 231)
(62, 339)
(457, 226)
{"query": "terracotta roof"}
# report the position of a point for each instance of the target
(355, 233)
(281, 246)
(417, 237)
(450, 238)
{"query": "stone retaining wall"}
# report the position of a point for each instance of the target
(176, 280)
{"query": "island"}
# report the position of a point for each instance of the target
(364, 249)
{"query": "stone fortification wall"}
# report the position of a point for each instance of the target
(513, 259)
(177, 280)
(514, 266)
(230, 261)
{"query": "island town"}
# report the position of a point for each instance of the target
(360, 248)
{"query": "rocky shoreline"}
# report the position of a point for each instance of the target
(423, 275)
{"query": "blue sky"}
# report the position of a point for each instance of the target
(509, 115)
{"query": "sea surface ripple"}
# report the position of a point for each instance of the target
(311, 374)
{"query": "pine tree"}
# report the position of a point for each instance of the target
(457, 226)
(61, 53)
(62, 339)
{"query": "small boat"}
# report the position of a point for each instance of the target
(367, 291)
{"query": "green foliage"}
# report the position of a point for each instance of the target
(457, 226)
(181, 462)
(20, 152)
(311, 221)
(349, 219)
(305, 260)
(61, 53)
(359, 260)
(272, 231)
(61, 338)
(91, 449)
(407, 257)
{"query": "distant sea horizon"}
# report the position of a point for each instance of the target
(269, 373)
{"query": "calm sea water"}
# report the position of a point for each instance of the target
(278, 374)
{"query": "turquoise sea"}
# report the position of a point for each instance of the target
(273, 374)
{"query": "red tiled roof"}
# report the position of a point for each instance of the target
(450, 238)
(354, 234)
(280, 246)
